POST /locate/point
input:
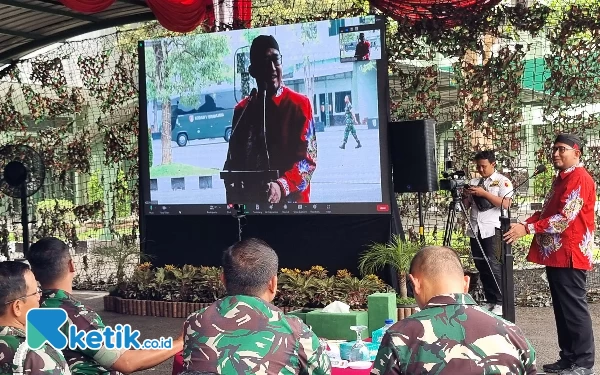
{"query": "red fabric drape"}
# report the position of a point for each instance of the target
(87, 6)
(448, 13)
(176, 15)
(183, 15)
(242, 13)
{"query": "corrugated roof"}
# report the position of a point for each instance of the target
(28, 25)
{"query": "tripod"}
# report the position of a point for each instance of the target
(457, 205)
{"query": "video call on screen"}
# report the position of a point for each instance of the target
(190, 117)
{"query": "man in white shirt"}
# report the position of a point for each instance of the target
(484, 196)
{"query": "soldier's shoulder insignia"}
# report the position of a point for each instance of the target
(506, 183)
(495, 183)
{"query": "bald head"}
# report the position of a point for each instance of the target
(437, 262)
(436, 270)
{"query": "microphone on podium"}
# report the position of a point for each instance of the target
(540, 169)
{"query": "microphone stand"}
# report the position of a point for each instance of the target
(508, 281)
(249, 185)
(265, 126)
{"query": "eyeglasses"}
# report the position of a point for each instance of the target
(38, 290)
(561, 149)
(276, 60)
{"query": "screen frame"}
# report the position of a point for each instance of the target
(356, 208)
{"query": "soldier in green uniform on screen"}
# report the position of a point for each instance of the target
(350, 120)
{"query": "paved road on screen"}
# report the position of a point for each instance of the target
(350, 175)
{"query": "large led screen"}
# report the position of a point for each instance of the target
(287, 119)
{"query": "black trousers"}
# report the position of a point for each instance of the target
(487, 273)
(573, 321)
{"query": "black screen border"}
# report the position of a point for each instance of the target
(352, 208)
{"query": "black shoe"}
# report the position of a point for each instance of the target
(557, 366)
(358, 145)
(576, 370)
(343, 146)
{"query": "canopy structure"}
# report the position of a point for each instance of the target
(28, 25)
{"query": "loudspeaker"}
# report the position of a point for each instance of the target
(413, 151)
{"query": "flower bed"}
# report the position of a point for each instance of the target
(177, 292)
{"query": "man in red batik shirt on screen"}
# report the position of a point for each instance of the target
(287, 141)
(363, 48)
(563, 242)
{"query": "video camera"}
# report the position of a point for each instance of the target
(453, 180)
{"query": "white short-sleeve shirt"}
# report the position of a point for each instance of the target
(486, 222)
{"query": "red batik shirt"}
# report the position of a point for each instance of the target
(291, 142)
(564, 229)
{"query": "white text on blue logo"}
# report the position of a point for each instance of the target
(121, 337)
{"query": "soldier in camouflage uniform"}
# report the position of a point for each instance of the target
(82, 361)
(350, 121)
(244, 333)
(451, 334)
(19, 293)
(52, 264)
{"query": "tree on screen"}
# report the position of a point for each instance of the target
(127, 42)
(368, 66)
(309, 36)
(348, 39)
(181, 68)
(243, 60)
(249, 35)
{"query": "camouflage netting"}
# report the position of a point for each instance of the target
(508, 80)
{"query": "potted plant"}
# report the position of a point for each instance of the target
(397, 254)
(178, 291)
(295, 289)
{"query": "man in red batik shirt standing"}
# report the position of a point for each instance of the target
(563, 242)
(363, 48)
(279, 136)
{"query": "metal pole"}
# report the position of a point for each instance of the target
(421, 220)
(25, 218)
(396, 228)
(508, 283)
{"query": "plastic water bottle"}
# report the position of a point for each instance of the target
(388, 324)
(378, 334)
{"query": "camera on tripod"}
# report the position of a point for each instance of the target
(453, 180)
